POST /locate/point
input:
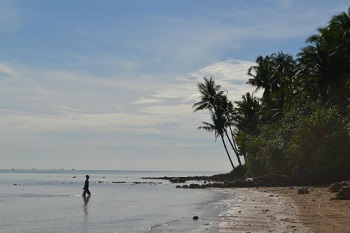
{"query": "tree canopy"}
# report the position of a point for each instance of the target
(300, 125)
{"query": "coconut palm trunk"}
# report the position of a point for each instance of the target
(234, 148)
(228, 154)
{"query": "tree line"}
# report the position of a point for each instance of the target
(300, 125)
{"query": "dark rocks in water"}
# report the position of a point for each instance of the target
(235, 184)
(177, 180)
(233, 179)
(261, 181)
(303, 190)
(136, 182)
(195, 186)
(333, 188)
(152, 183)
(195, 218)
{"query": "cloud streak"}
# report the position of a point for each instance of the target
(167, 104)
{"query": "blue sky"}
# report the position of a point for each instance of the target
(90, 84)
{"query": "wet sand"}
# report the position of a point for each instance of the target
(283, 210)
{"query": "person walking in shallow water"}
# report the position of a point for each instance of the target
(86, 186)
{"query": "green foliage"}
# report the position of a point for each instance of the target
(303, 127)
(266, 152)
(319, 147)
(314, 149)
(301, 124)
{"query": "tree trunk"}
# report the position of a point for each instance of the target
(234, 148)
(228, 155)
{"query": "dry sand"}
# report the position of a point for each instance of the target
(283, 210)
(318, 212)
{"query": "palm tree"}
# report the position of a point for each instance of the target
(213, 99)
(339, 30)
(326, 60)
(274, 74)
(338, 38)
(247, 114)
(210, 95)
(217, 126)
(261, 75)
(225, 108)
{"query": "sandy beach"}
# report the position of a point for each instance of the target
(284, 210)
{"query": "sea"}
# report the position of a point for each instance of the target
(50, 201)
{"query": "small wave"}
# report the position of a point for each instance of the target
(161, 225)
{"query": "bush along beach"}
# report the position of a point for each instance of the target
(296, 123)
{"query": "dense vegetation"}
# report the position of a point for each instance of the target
(300, 124)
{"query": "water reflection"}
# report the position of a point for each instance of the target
(86, 202)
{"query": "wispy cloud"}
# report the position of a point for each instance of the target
(167, 104)
(16, 79)
(147, 101)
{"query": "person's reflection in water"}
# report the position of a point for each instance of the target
(86, 201)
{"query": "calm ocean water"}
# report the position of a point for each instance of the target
(50, 201)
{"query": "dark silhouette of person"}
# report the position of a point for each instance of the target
(86, 186)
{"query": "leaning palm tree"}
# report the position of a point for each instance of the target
(213, 99)
(210, 95)
(225, 108)
(218, 127)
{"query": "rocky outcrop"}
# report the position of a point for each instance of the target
(333, 188)
(343, 194)
(342, 189)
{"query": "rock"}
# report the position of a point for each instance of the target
(333, 188)
(195, 217)
(194, 186)
(177, 180)
(343, 194)
(303, 190)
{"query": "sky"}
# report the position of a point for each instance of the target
(89, 84)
